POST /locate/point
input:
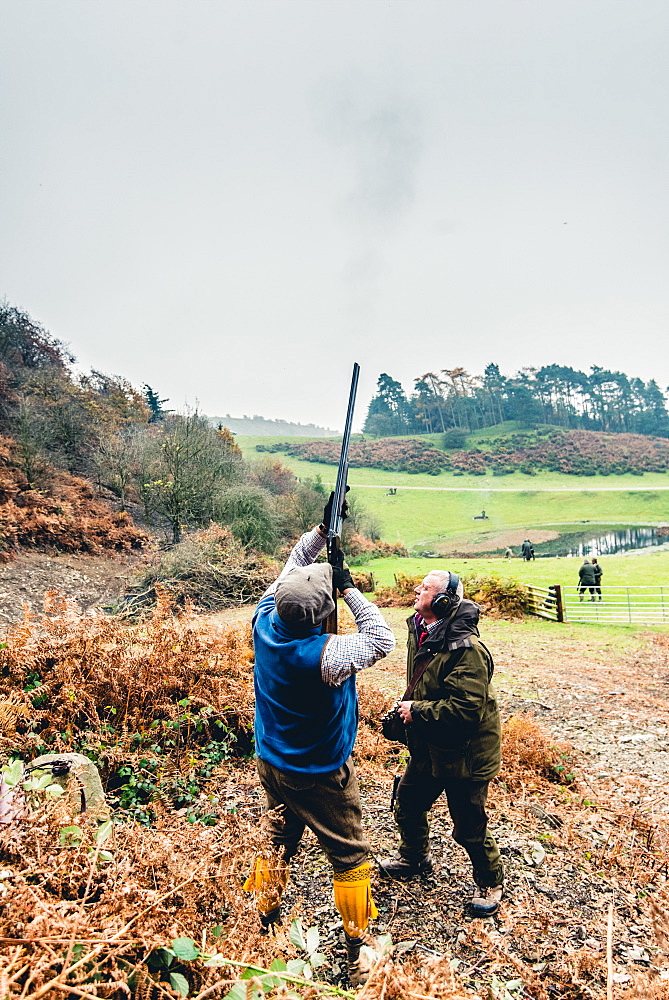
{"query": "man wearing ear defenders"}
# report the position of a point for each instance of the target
(453, 735)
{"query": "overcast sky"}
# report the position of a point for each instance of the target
(233, 201)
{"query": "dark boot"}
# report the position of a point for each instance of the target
(268, 921)
(356, 973)
(402, 868)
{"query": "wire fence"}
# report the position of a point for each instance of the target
(636, 605)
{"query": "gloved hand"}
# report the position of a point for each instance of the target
(327, 512)
(341, 574)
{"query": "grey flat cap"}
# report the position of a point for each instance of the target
(304, 595)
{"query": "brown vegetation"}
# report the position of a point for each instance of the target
(501, 598)
(66, 516)
(209, 568)
(93, 918)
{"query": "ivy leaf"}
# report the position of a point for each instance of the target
(180, 983)
(313, 938)
(185, 949)
(295, 935)
(54, 790)
(103, 832)
(238, 992)
(13, 772)
(278, 965)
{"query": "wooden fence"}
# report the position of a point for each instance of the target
(614, 606)
(546, 602)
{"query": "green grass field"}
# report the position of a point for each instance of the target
(435, 513)
(619, 571)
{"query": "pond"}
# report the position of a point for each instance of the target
(600, 541)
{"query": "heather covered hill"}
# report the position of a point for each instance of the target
(574, 452)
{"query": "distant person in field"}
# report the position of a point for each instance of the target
(509, 552)
(599, 572)
(587, 579)
(526, 550)
(453, 735)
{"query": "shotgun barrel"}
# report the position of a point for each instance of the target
(335, 526)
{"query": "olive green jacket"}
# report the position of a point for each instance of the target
(454, 711)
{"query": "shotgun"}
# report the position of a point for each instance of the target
(334, 528)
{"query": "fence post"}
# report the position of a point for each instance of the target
(559, 606)
(629, 606)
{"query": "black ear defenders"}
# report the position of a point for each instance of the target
(443, 604)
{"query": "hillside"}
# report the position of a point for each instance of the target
(439, 513)
(578, 453)
(268, 426)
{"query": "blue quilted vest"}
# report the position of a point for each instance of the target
(301, 723)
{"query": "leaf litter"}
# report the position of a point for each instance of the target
(580, 814)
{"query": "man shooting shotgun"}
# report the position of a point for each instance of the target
(306, 720)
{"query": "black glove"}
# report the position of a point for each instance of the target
(341, 574)
(327, 513)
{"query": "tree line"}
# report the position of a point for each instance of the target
(554, 394)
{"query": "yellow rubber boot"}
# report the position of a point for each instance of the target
(353, 899)
(267, 881)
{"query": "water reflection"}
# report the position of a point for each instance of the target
(607, 543)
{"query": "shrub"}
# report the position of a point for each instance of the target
(249, 513)
(453, 438)
(401, 595)
(359, 549)
(497, 596)
(530, 757)
(97, 677)
(502, 598)
(571, 452)
(209, 568)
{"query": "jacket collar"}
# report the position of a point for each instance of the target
(461, 623)
(289, 633)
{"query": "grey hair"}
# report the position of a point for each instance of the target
(444, 579)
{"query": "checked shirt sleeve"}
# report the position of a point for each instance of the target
(347, 654)
(304, 552)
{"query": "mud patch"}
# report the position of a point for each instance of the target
(500, 540)
(87, 580)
